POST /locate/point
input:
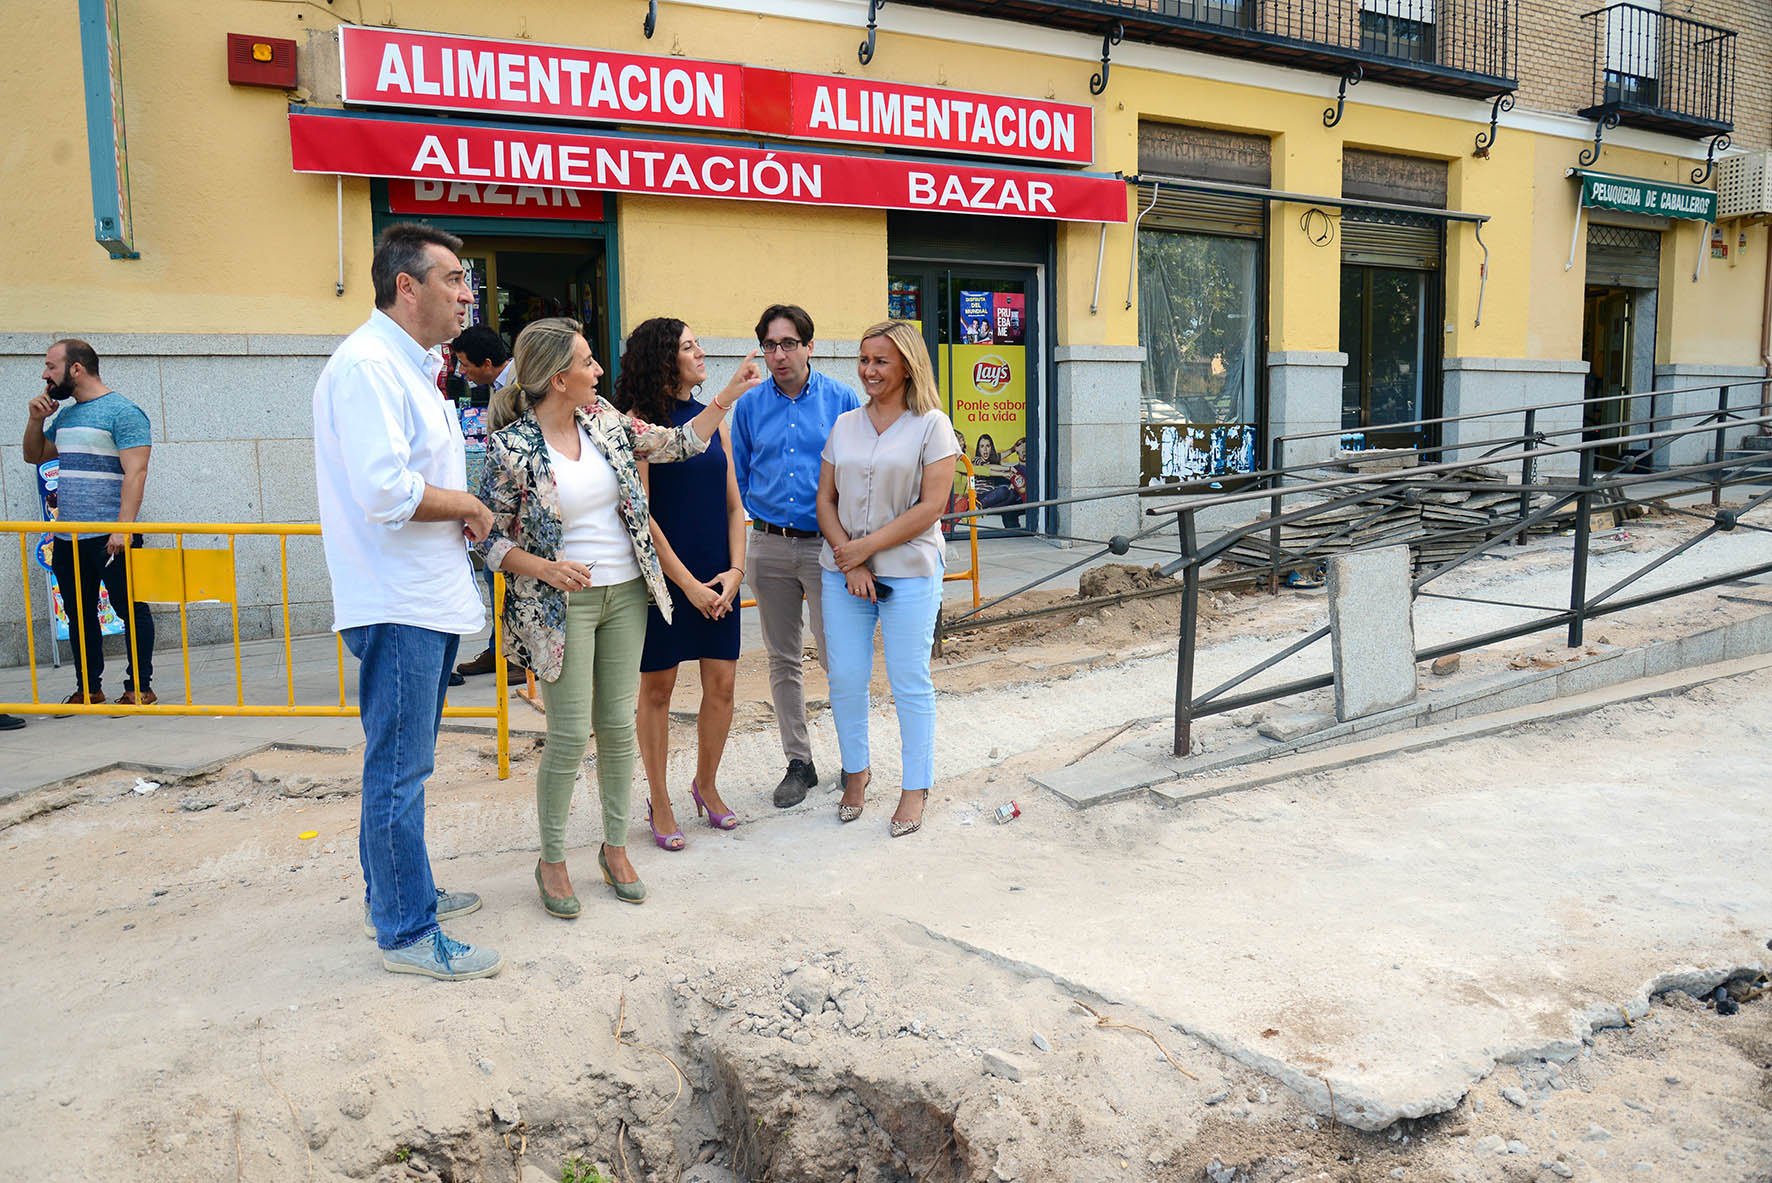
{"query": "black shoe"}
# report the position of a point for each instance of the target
(10, 722)
(457, 680)
(792, 789)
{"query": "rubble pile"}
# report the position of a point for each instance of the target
(1438, 516)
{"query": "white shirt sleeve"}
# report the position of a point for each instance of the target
(370, 411)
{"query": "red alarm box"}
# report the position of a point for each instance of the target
(261, 61)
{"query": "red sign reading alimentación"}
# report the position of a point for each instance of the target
(444, 72)
(360, 145)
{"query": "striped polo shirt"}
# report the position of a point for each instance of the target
(87, 438)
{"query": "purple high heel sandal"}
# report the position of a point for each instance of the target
(720, 821)
(671, 841)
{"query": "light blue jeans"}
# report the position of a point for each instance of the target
(906, 622)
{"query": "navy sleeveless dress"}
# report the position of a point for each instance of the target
(688, 502)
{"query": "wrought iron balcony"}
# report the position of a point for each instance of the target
(1662, 72)
(1461, 47)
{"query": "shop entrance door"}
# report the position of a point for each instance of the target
(982, 324)
(1606, 333)
(1384, 318)
(519, 280)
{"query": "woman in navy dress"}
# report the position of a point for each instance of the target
(698, 526)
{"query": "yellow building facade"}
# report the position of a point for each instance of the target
(1286, 263)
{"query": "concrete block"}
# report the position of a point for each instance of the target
(1748, 638)
(1660, 658)
(320, 345)
(1533, 690)
(1705, 648)
(1098, 455)
(1099, 779)
(1372, 631)
(1295, 725)
(286, 481)
(998, 1062)
(161, 344)
(1595, 673)
(238, 398)
(1098, 385)
(216, 481)
(20, 481)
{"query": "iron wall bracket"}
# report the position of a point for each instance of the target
(1486, 140)
(1590, 155)
(1115, 34)
(1352, 76)
(866, 52)
(1717, 143)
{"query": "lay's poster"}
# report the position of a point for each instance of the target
(988, 404)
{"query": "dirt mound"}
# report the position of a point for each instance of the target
(1116, 579)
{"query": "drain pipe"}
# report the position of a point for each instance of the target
(1766, 328)
(339, 287)
(1132, 275)
(1100, 254)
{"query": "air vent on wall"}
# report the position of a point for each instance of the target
(1744, 185)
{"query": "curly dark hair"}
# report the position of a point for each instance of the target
(650, 371)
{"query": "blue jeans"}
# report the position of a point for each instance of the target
(402, 676)
(906, 621)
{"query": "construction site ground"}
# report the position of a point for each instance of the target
(1488, 961)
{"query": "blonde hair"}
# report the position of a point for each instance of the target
(920, 393)
(544, 350)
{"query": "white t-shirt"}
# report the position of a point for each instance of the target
(591, 528)
(382, 432)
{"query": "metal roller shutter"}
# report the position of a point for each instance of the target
(1378, 239)
(1199, 213)
(1623, 256)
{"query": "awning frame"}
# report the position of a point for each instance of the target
(1273, 196)
(1580, 175)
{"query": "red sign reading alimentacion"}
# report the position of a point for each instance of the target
(363, 145)
(444, 72)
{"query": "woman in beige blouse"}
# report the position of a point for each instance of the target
(887, 470)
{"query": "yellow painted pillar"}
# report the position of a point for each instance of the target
(1304, 362)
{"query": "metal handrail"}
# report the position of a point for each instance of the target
(1520, 410)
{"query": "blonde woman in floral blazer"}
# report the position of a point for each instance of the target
(571, 532)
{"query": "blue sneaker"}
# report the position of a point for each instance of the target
(450, 904)
(436, 956)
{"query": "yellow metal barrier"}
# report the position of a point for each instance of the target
(186, 575)
(972, 529)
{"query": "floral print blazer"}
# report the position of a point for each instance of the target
(518, 487)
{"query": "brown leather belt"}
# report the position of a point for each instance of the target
(763, 527)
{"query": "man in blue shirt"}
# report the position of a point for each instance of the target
(778, 435)
(102, 441)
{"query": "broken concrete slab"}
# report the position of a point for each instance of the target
(1106, 777)
(1295, 724)
(1371, 631)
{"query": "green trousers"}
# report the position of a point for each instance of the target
(596, 690)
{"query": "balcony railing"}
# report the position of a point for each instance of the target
(1461, 47)
(1663, 72)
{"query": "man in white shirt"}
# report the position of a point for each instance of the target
(392, 480)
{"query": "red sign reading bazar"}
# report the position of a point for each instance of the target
(443, 72)
(369, 147)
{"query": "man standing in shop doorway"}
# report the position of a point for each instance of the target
(392, 480)
(102, 441)
(778, 436)
(487, 365)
